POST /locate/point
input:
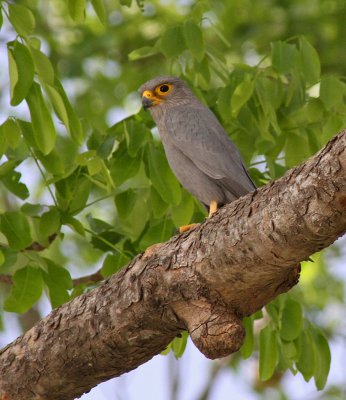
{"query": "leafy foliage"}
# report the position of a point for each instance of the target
(290, 342)
(109, 190)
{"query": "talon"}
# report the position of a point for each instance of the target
(212, 208)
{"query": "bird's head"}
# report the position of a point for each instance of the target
(163, 91)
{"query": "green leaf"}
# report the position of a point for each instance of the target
(106, 240)
(105, 149)
(136, 136)
(268, 353)
(125, 202)
(58, 104)
(113, 263)
(76, 9)
(58, 281)
(322, 360)
(143, 52)
(80, 196)
(134, 222)
(79, 289)
(158, 206)
(296, 149)
(218, 32)
(94, 165)
(26, 290)
(2, 258)
(100, 10)
(289, 351)
(291, 320)
(248, 345)
(269, 93)
(13, 184)
(65, 111)
(74, 224)
(31, 209)
(314, 110)
(194, 39)
(3, 143)
(21, 71)
(224, 101)
(273, 310)
(7, 167)
(123, 166)
(158, 232)
(27, 132)
(126, 3)
(332, 91)
(13, 72)
(42, 123)
(11, 258)
(98, 225)
(241, 95)
(50, 222)
(172, 42)
(283, 56)
(182, 214)
(43, 66)
(75, 126)
(66, 188)
(178, 344)
(11, 131)
(52, 162)
(306, 363)
(203, 70)
(310, 62)
(331, 125)
(161, 176)
(22, 19)
(295, 95)
(14, 225)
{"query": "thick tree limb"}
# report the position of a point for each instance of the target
(205, 280)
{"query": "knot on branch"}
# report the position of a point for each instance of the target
(215, 331)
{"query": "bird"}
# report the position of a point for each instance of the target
(199, 151)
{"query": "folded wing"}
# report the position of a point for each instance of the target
(199, 135)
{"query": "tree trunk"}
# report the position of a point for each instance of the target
(205, 281)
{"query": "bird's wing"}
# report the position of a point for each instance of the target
(199, 135)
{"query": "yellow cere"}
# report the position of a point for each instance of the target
(148, 94)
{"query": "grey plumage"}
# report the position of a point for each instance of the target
(199, 151)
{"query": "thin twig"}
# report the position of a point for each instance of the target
(6, 279)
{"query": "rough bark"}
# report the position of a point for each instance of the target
(205, 280)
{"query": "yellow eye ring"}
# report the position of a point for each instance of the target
(164, 89)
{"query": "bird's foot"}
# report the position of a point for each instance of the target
(186, 228)
(212, 208)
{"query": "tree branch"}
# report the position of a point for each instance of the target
(205, 280)
(6, 279)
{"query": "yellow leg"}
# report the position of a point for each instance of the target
(186, 228)
(212, 207)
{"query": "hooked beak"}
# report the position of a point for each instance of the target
(149, 99)
(147, 103)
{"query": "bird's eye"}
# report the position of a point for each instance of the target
(164, 89)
